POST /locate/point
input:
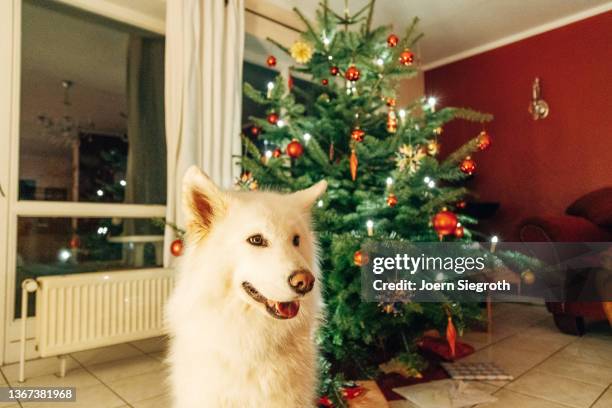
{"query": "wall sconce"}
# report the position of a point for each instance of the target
(538, 108)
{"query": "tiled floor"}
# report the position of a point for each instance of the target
(126, 375)
(551, 370)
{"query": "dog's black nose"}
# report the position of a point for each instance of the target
(301, 281)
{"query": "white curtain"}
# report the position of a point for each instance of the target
(204, 53)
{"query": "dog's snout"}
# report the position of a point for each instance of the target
(301, 281)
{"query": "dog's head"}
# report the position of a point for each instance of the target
(261, 242)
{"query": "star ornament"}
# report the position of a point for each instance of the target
(409, 158)
(301, 52)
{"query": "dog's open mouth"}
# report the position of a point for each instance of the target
(280, 310)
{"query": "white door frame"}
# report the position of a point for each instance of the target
(10, 15)
(10, 207)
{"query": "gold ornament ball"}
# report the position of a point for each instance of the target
(528, 277)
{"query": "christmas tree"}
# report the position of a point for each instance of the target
(385, 179)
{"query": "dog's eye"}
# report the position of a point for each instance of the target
(257, 240)
(296, 240)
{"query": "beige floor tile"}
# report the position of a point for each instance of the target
(98, 396)
(558, 389)
(78, 377)
(127, 367)
(577, 370)
(152, 345)
(161, 401)
(104, 354)
(604, 401)
(589, 350)
(509, 399)
(141, 387)
(547, 344)
(38, 367)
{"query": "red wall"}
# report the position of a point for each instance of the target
(536, 167)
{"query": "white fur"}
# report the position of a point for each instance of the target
(225, 349)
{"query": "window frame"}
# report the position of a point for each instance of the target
(11, 208)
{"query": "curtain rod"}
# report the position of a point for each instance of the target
(248, 10)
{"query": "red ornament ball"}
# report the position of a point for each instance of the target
(276, 153)
(272, 118)
(325, 402)
(176, 247)
(461, 204)
(255, 131)
(392, 40)
(459, 231)
(406, 57)
(352, 392)
(325, 81)
(295, 149)
(468, 166)
(359, 258)
(484, 140)
(75, 242)
(391, 200)
(334, 70)
(352, 73)
(444, 223)
(271, 61)
(357, 134)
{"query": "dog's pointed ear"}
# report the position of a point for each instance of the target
(202, 200)
(307, 197)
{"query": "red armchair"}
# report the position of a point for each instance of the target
(589, 219)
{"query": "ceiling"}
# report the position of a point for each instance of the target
(71, 47)
(457, 28)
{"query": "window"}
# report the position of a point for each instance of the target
(92, 153)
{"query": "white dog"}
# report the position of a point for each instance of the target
(247, 301)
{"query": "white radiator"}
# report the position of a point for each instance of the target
(89, 310)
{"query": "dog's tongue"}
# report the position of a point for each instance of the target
(287, 310)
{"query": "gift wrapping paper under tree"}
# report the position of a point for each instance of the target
(385, 181)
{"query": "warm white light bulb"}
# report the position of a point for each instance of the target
(280, 123)
(495, 239)
(326, 40)
(370, 224)
(268, 154)
(100, 193)
(426, 179)
(307, 137)
(431, 101)
(270, 85)
(320, 203)
(431, 184)
(123, 183)
(63, 255)
(402, 113)
(329, 57)
(389, 181)
(380, 62)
